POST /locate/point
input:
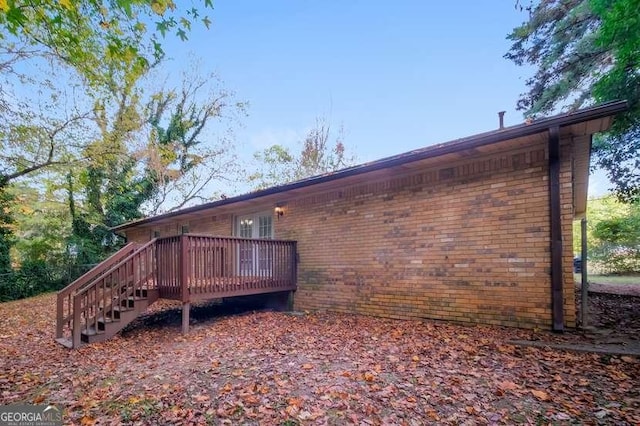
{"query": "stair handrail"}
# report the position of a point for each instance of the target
(75, 311)
(82, 281)
(115, 267)
(88, 276)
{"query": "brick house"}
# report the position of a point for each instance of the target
(475, 230)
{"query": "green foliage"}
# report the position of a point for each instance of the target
(181, 158)
(584, 52)
(98, 38)
(6, 232)
(277, 165)
(613, 235)
(84, 143)
(34, 277)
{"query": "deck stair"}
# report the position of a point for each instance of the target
(107, 298)
(115, 317)
(188, 268)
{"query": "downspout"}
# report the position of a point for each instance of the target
(557, 302)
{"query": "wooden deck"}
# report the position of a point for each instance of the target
(188, 268)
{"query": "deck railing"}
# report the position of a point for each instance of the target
(120, 278)
(193, 267)
(184, 267)
(64, 309)
(128, 278)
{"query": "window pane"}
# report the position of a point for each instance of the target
(246, 228)
(265, 224)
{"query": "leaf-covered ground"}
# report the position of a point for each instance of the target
(322, 368)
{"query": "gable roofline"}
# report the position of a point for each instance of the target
(470, 142)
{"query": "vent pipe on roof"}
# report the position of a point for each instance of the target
(501, 117)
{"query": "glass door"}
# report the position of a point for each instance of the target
(254, 258)
(245, 255)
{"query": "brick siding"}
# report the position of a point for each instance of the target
(468, 242)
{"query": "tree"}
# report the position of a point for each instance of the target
(107, 44)
(74, 112)
(613, 235)
(277, 165)
(6, 233)
(36, 134)
(182, 157)
(585, 52)
(153, 153)
(97, 38)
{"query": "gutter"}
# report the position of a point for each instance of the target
(470, 142)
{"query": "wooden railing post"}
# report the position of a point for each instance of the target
(60, 318)
(294, 263)
(77, 320)
(185, 262)
(184, 267)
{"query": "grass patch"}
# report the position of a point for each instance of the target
(612, 279)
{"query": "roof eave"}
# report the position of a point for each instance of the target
(471, 142)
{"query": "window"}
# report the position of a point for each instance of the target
(265, 227)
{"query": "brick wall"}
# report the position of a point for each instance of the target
(468, 243)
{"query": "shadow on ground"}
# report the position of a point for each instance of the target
(613, 323)
(165, 314)
(613, 327)
(613, 317)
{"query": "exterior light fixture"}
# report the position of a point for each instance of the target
(279, 210)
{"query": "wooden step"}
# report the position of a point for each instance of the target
(91, 335)
(113, 320)
(104, 321)
(115, 312)
(142, 293)
(129, 302)
(65, 342)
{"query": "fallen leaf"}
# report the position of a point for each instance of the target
(369, 377)
(507, 385)
(541, 395)
(601, 414)
(87, 421)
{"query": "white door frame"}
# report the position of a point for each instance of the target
(256, 226)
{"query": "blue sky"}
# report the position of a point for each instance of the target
(397, 75)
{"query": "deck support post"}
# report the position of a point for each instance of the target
(185, 317)
(290, 301)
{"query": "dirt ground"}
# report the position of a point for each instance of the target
(269, 368)
(613, 315)
(613, 323)
(615, 288)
